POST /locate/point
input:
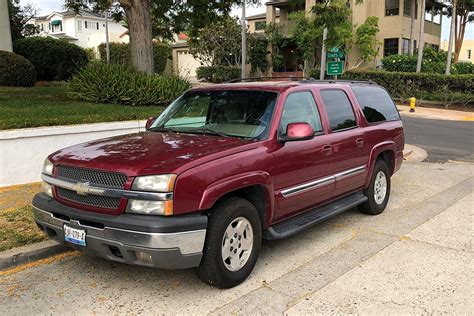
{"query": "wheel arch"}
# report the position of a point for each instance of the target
(256, 187)
(386, 152)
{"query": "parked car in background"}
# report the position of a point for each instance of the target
(222, 168)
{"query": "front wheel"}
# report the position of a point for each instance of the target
(378, 191)
(232, 244)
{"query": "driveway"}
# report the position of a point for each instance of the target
(416, 257)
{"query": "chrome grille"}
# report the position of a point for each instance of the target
(90, 200)
(94, 177)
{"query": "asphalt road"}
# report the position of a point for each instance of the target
(443, 140)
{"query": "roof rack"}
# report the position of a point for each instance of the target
(301, 79)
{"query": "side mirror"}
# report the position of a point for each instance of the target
(298, 131)
(149, 122)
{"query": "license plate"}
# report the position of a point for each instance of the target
(74, 235)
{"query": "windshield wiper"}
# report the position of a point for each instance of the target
(162, 129)
(207, 130)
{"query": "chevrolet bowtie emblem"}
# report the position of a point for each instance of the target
(82, 188)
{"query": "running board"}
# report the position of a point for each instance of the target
(312, 217)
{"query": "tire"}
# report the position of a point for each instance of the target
(213, 269)
(375, 203)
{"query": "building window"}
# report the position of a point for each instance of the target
(407, 8)
(260, 25)
(97, 25)
(469, 53)
(390, 46)
(437, 17)
(405, 46)
(392, 7)
(85, 24)
(79, 25)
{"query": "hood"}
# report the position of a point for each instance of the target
(149, 152)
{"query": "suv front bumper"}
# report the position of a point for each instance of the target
(162, 242)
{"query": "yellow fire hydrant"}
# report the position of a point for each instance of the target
(412, 104)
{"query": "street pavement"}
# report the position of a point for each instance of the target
(416, 257)
(444, 140)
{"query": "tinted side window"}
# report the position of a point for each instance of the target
(301, 108)
(339, 109)
(376, 104)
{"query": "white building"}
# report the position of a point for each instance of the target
(86, 29)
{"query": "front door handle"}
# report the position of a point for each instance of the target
(327, 150)
(359, 142)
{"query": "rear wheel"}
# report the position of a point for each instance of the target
(378, 191)
(232, 243)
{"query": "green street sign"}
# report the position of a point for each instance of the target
(334, 68)
(335, 52)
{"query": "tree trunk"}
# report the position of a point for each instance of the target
(422, 36)
(460, 36)
(451, 41)
(412, 27)
(140, 32)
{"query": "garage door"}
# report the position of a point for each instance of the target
(187, 65)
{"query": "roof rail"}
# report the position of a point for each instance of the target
(301, 79)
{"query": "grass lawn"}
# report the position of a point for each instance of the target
(17, 228)
(49, 106)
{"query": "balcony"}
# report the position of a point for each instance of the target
(286, 28)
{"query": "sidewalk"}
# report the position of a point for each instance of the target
(438, 114)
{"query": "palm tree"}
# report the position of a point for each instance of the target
(452, 34)
(422, 36)
(413, 4)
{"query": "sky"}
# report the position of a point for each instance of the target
(47, 6)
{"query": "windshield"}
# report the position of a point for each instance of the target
(228, 113)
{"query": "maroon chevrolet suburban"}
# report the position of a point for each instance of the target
(222, 168)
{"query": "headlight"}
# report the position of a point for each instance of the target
(159, 183)
(47, 188)
(150, 207)
(48, 167)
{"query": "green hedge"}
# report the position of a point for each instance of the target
(217, 74)
(120, 54)
(16, 70)
(53, 59)
(433, 62)
(116, 83)
(403, 85)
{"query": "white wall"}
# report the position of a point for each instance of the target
(5, 35)
(23, 151)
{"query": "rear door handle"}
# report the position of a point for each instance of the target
(327, 150)
(359, 142)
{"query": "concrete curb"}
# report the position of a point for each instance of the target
(29, 253)
(414, 153)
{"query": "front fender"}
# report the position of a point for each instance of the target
(239, 181)
(376, 150)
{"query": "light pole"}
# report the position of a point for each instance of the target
(244, 40)
(107, 48)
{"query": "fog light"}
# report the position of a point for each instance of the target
(48, 189)
(144, 257)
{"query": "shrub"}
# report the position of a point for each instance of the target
(53, 59)
(115, 83)
(120, 54)
(433, 62)
(16, 70)
(404, 85)
(217, 74)
(463, 67)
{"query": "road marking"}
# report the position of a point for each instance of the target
(52, 259)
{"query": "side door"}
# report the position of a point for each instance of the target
(302, 169)
(347, 139)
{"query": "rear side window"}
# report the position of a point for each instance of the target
(339, 109)
(376, 104)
